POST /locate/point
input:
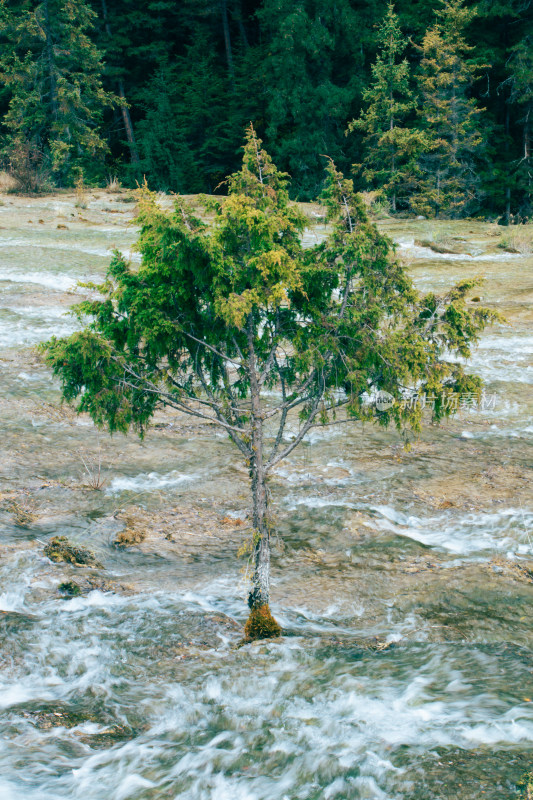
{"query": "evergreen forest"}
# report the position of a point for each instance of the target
(428, 105)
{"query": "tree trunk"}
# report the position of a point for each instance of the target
(227, 41)
(527, 153)
(50, 61)
(132, 144)
(507, 188)
(260, 592)
(260, 624)
(124, 110)
(240, 23)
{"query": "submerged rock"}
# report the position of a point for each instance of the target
(437, 247)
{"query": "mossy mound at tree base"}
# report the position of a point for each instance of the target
(60, 549)
(261, 624)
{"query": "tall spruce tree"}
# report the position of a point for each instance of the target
(192, 119)
(391, 149)
(52, 70)
(312, 66)
(449, 116)
(521, 68)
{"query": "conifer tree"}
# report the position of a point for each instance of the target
(521, 68)
(52, 70)
(450, 117)
(167, 159)
(312, 67)
(187, 136)
(390, 148)
(217, 317)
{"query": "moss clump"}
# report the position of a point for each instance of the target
(128, 537)
(526, 784)
(60, 549)
(70, 588)
(23, 512)
(261, 624)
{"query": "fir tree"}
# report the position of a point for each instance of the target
(52, 70)
(390, 148)
(450, 117)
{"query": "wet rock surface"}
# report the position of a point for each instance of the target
(402, 579)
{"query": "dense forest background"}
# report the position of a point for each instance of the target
(428, 103)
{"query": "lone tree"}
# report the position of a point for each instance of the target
(237, 324)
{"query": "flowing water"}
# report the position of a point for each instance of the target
(403, 578)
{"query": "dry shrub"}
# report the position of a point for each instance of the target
(28, 168)
(113, 184)
(261, 624)
(81, 196)
(60, 549)
(7, 182)
(129, 536)
(136, 525)
(93, 471)
(376, 204)
(518, 239)
(23, 510)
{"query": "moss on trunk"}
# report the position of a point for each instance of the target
(261, 624)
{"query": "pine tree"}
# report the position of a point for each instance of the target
(450, 117)
(186, 138)
(52, 70)
(391, 149)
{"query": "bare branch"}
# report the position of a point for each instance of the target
(298, 438)
(210, 347)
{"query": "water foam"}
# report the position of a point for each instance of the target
(150, 482)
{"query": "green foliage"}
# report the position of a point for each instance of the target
(526, 785)
(167, 159)
(239, 325)
(450, 118)
(312, 70)
(69, 588)
(52, 71)
(521, 76)
(191, 122)
(391, 149)
(216, 314)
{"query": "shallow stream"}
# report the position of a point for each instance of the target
(403, 578)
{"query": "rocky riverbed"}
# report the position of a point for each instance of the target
(403, 577)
